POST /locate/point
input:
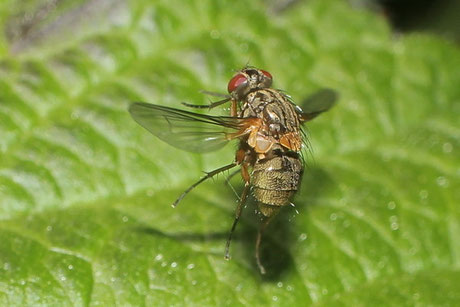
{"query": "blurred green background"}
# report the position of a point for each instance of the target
(85, 193)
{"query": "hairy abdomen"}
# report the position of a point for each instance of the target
(274, 182)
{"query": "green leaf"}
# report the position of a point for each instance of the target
(85, 193)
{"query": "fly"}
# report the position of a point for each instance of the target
(268, 126)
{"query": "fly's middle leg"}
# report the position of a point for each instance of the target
(239, 209)
(208, 175)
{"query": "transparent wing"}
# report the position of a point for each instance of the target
(317, 103)
(183, 129)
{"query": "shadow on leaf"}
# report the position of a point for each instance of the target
(278, 238)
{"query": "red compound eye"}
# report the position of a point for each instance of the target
(235, 82)
(267, 74)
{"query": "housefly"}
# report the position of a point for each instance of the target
(268, 126)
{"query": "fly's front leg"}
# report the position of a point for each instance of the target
(215, 94)
(234, 108)
(206, 106)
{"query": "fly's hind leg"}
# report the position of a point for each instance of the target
(263, 225)
(239, 209)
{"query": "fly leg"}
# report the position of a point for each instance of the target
(262, 227)
(215, 94)
(208, 175)
(228, 178)
(239, 209)
(234, 108)
(206, 106)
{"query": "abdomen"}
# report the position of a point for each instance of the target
(274, 182)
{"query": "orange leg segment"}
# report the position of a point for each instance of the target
(233, 108)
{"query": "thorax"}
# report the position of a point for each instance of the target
(279, 120)
(274, 108)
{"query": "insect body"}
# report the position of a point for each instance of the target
(268, 126)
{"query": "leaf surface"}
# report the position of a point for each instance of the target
(85, 193)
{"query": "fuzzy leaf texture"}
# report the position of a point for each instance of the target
(85, 193)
